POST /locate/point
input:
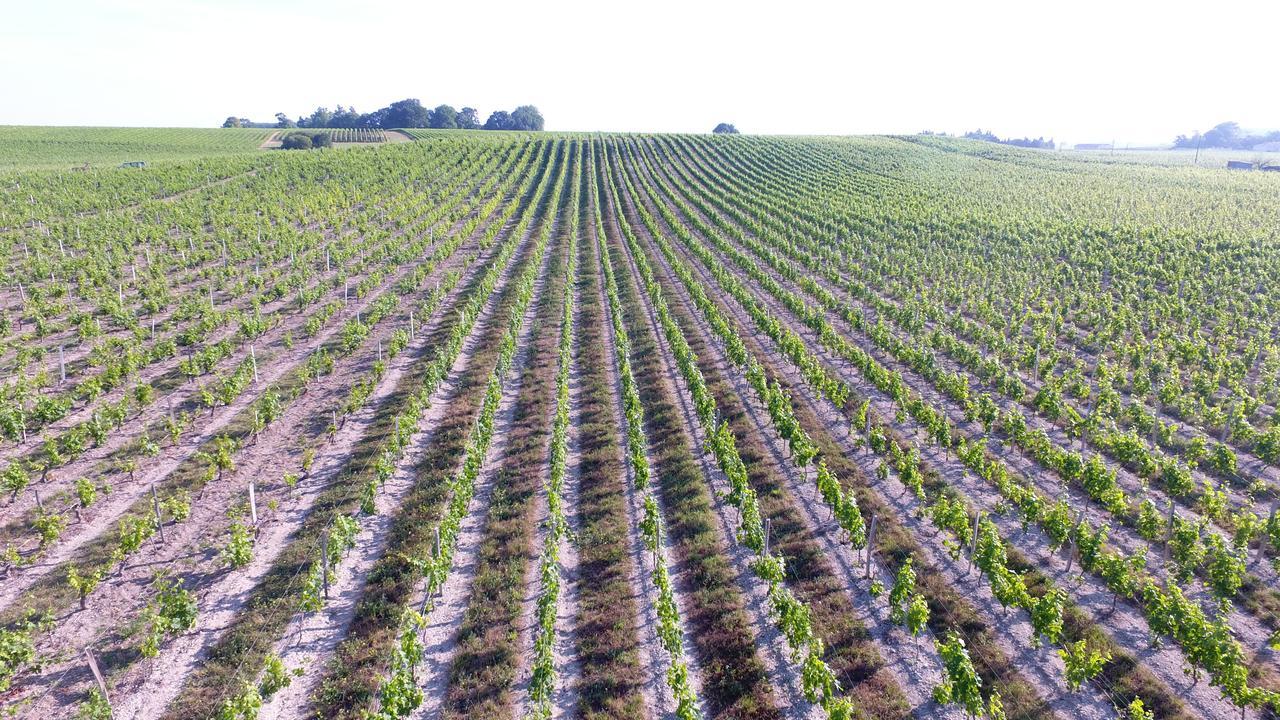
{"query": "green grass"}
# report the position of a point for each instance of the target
(29, 147)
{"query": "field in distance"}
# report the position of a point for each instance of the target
(66, 147)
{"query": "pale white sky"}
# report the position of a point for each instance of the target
(1080, 71)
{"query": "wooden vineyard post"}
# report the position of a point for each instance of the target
(1072, 548)
(1168, 533)
(871, 541)
(346, 293)
(39, 505)
(253, 503)
(155, 505)
(768, 531)
(253, 358)
(62, 365)
(326, 260)
(379, 351)
(153, 326)
(97, 677)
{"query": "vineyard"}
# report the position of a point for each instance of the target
(531, 425)
(358, 135)
(66, 147)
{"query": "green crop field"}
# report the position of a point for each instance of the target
(65, 147)
(554, 425)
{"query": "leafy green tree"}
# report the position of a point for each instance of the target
(444, 117)
(468, 119)
(345, 118)
(318, 119)
(407, 113)
(725, 129)
(499, 120)
(526, 117)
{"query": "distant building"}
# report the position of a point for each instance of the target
(1239, 165)
(1093, 146)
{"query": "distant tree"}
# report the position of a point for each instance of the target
(321, 140)
(468, 119)
(345, 118)
(321, 118)
(444, 117)
(725, 129)
(408, 113)
(374, 119)
(987, 136)
(498, 120)
(1225, 135)
(232, 122)
(981, 134)
(526, 117)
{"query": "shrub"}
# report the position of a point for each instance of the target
(306, 141)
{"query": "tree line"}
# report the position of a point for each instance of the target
(1025, 142)
(407, 113)
(988, 136)
(1226, 135)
